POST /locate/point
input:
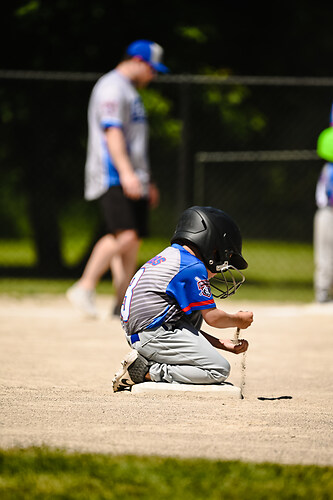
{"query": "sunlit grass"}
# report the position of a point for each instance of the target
(42, 473)
(277, 271)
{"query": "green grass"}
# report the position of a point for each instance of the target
(33, 286)
(17, 253)
(19, 287)
(21, 253)
(287, 293)
(41, 473)
(277, 271)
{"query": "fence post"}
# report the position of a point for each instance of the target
(183, 180)
(199, 181)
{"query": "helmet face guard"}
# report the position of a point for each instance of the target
(227, 283)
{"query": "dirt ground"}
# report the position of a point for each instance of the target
(55, 380)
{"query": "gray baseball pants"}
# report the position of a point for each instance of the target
(323, 252)
(180, 353)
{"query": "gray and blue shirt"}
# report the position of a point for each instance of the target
(115, 102)
(172, 284)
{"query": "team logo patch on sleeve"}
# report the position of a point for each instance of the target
(204, 287)
(110, 107)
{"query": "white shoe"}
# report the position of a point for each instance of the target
(82, 299)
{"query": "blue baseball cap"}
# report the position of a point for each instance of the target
(150, 52)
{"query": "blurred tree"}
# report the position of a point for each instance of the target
(43, 128)
(248, 38)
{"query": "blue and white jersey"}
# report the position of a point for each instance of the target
(169, 286)
(324, 189)
(115, 102)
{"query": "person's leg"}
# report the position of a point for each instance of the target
(323, 253)
(104, 251)
(82, 293)
(117, 273)
(125, 220)
(182, 355)
(123, 267)
(99, 262)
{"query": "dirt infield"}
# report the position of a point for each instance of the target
(56, 369)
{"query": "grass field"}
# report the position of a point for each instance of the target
(48, 474)
(278, 271)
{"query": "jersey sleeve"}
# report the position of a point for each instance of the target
(111, 108)
(191, 289)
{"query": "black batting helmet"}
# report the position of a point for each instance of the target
(214, 233)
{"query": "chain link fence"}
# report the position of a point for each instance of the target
(246, 145)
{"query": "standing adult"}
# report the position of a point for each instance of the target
(323, 220)
(117, 171)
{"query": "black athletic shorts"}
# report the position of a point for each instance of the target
(121, 213)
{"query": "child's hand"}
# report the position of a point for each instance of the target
(244, 319)
(229, 345)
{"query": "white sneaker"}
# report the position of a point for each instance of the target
(82, 299)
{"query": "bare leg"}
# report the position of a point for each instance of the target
(121, 250)
(123, 268)
(99, 262)
(117, 271)
(104, 251)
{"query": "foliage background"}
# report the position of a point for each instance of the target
(289, 38)
(43, 119)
